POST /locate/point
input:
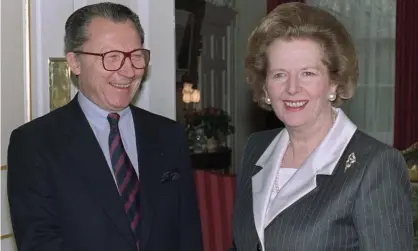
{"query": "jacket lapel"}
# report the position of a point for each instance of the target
(301, 183)
(151, 164)
(263, 181)
(89, 163)
(322, 161)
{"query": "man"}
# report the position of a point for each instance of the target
(99, 173)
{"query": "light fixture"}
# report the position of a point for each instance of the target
(187, 98)
(195, 96)
(187, 87)
(190, 95)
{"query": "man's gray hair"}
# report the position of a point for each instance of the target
(76, 25)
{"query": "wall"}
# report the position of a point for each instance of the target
(158, 93)
(249, 15)
(12, 96)
(25, 96)
(222, 79)
(216, 63)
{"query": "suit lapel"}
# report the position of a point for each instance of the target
(89, 163)
(299, 185)
(318, 182)
(322, 161)
(150, 164)
(263, 181)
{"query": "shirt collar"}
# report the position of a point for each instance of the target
(94, 113)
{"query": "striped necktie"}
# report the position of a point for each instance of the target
(126, 178)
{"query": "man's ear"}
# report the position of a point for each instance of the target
(74, 63)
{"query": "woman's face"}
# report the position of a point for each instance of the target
(298, 83)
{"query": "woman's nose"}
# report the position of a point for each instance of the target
(293, 85)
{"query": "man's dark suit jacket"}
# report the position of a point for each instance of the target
(366, 207)
(63, 197)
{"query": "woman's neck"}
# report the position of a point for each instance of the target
(304, 140)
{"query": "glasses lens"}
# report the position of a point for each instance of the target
(140, 59)
(113, 60)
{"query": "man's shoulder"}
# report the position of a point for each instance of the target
(44, 123)
(155, 119)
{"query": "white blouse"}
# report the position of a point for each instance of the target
(282, 177)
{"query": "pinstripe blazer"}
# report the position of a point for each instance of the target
(361, 204)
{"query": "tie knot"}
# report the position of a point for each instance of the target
(113, 119)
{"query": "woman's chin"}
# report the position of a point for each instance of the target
(293, 125)
(293, 121)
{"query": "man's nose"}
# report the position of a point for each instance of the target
(127, 68)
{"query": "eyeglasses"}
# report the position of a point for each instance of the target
(114, 60)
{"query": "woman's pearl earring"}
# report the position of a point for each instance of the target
(267, 100)
(332, 97)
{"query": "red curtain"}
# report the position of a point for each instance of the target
(406, 80)
(271, 4)
(215, 195)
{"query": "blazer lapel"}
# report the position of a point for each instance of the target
(151, 163)
(301, 183)
(263, 181)
(322, 161)
(89, 163)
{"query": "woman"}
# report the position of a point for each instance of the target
(318, 184)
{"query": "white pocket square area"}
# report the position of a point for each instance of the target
(350, 161)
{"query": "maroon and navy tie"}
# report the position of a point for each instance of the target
(127, 180)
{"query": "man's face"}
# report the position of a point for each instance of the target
(110, 90)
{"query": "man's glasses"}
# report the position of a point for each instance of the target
(114, 60)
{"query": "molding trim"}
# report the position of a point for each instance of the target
(28, 60)
(6, 236)
(4, 167)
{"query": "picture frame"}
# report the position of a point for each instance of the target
(60, 81)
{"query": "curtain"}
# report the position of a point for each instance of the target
(215, 196)
(372, 26)
(406, 86)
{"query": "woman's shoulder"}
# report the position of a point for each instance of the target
(263, 137)
(371, 145)
(258, 142)
(372, 151)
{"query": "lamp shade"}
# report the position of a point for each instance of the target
(195, 96)
(187, 98)
(187, 87)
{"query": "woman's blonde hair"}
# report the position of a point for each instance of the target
(300, 21)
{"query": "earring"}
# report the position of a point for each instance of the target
(267, 100)
(332, 97)
(266, 97)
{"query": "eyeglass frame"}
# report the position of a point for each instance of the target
(125, 55)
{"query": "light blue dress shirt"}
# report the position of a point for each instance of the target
(97, 119)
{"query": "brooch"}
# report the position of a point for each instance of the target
(350, 160)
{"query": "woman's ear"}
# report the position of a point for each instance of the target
(334, 88)
(265, 90)
(267, 99)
